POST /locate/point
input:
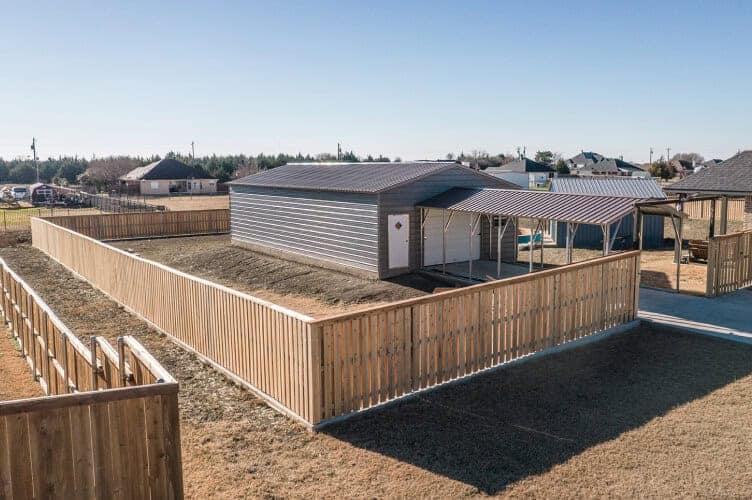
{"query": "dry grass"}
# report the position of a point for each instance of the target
(646, 414)
(190, 202)
(15, 374)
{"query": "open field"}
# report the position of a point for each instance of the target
(15, 374)
(311, 290)
(697, 229)
(644, 414)
(190, 202)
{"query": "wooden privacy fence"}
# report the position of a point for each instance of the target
(729, 263)
(264, 346)
(109, 425)
(375, 355)
(700, 209)
(148, 224)
(20, 219)
(315, 370)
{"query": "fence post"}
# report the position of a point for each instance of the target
(32, 335)
(66, 379)
(94, 369)
(315, 367)
(121, 361)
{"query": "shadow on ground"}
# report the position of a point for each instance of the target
(504, 426)
(656, 279)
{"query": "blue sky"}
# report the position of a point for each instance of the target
(413, 79)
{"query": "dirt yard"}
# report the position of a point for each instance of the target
(644, 414)
(190, 202)
(307, 289)
(15, 374)
(657, 267)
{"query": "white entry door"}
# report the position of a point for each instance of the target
(399, 240)
(457, 238)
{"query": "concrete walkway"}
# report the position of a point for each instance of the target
(725, 316)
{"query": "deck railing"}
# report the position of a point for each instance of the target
(318, 369)
(108, 426)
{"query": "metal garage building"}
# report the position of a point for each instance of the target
(358, 217)
(591, 236)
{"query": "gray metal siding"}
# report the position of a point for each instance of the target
(403, 199)
(340, 228)
(591, 236)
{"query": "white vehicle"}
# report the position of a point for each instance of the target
(19, 192)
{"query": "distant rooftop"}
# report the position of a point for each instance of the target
(633, 187)
(167, 169)
(520, 165)
(733, 176)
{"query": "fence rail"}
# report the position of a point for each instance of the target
(729, 263)
(108, 426)
(700, 209)
(147, 224)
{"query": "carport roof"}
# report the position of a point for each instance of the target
(565, 207)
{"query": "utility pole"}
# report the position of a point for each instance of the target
(651, 155)
(193, 151)
(34, 155)
(339, 151)
(668, 154)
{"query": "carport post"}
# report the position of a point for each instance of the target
(724, 214)
(532, 244)
(474, 221)
(677, 248)
(542, 224)
(606, 229)
(443, 241)
(499, 236)
(711, 226)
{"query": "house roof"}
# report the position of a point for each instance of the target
(365, 177)
(586, 158)
(632, 187)
(166, 169)
(733, 176)
(565, 207)
(611, 166)
(520, 165)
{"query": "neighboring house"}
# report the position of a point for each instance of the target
(167, 176)
(709, 163)
(40, 193)
(591, 236)
(732, 177)
(683, 168)
(523, 172)
(361, 217)
(584, 159)
(614, 167)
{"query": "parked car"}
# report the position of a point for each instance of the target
(19, 192)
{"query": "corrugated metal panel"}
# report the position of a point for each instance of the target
(633, 187)
(351, 177)
(591, 236)
(580, 208)
(335, 227)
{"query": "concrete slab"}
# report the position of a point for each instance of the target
(725, 316)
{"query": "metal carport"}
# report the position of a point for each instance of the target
(540, 206)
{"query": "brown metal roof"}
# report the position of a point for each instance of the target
(565, 207)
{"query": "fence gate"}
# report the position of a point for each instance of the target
(729, 263)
